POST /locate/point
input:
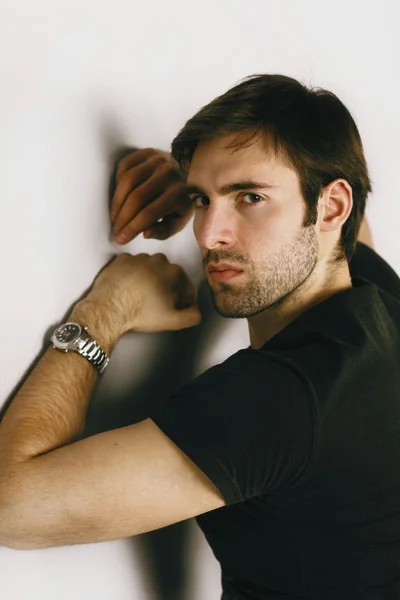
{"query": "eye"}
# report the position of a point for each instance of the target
(252, 198)
(197, 200)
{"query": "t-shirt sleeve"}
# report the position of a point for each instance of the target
(246, 423)
(367, 263)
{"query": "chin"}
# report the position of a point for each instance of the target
(237, 306)
(232, 310)
(229, 314)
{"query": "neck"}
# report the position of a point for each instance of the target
(315, 289)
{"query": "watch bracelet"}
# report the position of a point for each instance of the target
(91, 350)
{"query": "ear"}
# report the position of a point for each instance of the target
(335, 204)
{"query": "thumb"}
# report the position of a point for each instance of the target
(185, 317)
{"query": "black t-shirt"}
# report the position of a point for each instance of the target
(302, 438)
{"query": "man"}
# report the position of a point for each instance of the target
(288, 452)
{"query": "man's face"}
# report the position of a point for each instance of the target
(255, 226)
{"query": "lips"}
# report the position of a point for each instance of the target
(223, 272)
(223, 267)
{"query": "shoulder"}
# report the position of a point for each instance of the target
(258, 377)
(367, 264)
(247, 422)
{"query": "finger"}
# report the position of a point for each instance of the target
(143, 195)
(187, 317)
(169, 226)
(185, 289)
(171, 202)
(128, 182)
(132, 160)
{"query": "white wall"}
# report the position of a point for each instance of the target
(80, 79)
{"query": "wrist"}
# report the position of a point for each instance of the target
(99, 322)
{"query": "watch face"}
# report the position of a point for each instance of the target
(68, 333)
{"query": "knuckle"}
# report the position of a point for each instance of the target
(156, 160)
(159, 256)
(163, 169)
(138, 152)
(125, 178)
(124, 161)
(177, 273)
(136, 157)
(124, 165)
(120, 168)
(176, 267)
(161, 172)
(124, 181)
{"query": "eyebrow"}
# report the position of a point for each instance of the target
(237, 186)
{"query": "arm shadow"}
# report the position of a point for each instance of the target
(163, 552)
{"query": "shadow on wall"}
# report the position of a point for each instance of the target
(165, 559)
(164, 550)
(175, 360)
(175, 363)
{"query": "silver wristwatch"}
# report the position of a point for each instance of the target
(74, 337)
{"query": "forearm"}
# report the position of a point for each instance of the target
(49, 410)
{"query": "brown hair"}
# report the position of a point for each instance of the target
(309, 127)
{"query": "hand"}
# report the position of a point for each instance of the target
(146, 293)
(149, 188)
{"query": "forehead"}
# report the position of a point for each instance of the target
(214, 162)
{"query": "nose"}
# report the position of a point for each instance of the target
(214, 226)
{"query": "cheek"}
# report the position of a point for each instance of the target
(264, 234)
(259, 230)
(196, 225)
(282, 223)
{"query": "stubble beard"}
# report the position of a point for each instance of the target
(270, 283)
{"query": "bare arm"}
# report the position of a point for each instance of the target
(56, 491)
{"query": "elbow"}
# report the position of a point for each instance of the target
(15, 515)
(21, 530)
(15, 545)
(7, 517)
(8, 538)
(15, 539)
(4, 521)
(13, 534)
(29, 520)
(17, 542)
